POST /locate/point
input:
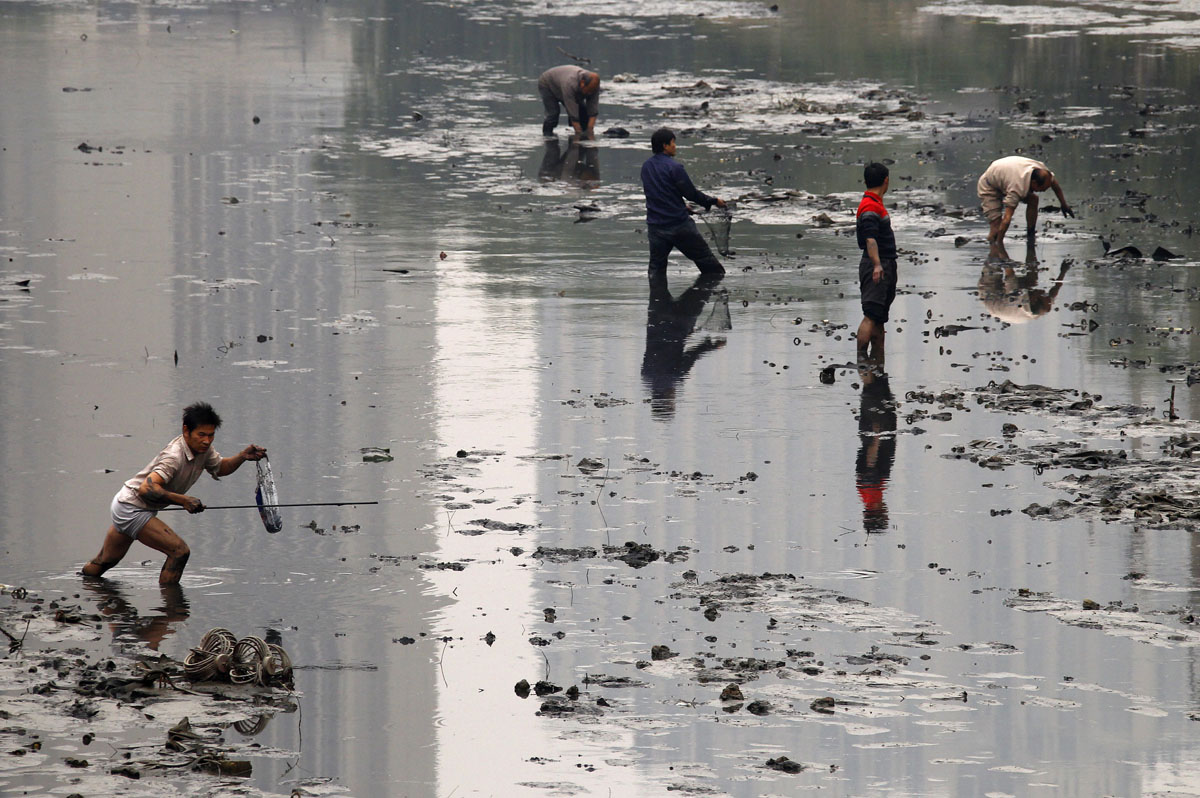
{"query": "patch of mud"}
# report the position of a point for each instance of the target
(91, 718)
(1114, 618)
(1169, 24)
(618, 15)
(1150, 489)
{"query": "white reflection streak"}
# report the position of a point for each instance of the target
(485, 399)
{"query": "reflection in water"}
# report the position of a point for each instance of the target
(876, 447)
(124, 618)
(579, 164)
(253, 726)
(669, 322)
(1012, 297)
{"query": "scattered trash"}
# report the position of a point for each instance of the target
(784, 765)
(250, 660)
(376, 454)
(589, 465)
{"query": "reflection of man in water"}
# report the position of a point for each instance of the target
(575, 89)
(876, 448)
(1007, 183)
(579, 164)
(669, 322)
(1015, 298)
(669, 223)
(123, 617)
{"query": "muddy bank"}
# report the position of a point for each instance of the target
(83, 716)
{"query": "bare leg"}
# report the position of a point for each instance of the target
(866, 331)
(113, 549)
(161, 537)
(994, 232)
(877, 344)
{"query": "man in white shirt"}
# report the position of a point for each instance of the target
(1009, 182)
(163, 482)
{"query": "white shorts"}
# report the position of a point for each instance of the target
(128, 519)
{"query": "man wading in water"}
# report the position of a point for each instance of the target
(575, 89)
(877, 269)
(164, 482)
(1006, 184)
(669, 223)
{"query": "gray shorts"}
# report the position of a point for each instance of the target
(128, 519)
(992, 206)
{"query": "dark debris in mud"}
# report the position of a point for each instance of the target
(1104, 483)
(635, 555)
(62, 690)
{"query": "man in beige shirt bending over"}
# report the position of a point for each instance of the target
(1009, 182)
(577, 90)
(165, 481)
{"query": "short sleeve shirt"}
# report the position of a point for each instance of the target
(1007, 179)
(872, 221)
(179, 467)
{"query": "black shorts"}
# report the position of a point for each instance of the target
(877, 297)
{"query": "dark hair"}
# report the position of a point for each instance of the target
(198, 415)
(874, 174)
(661, 138)
(1039, 177)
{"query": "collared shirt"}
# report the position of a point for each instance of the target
(1009, 178)
(563, 83)
(666, 185)
(179, 468)
(872, 221)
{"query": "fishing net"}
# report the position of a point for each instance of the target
(267, 498)
(717, 318)
(718, 220)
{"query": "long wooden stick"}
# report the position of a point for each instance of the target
(255, 506)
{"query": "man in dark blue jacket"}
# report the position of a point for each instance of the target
(669, 224)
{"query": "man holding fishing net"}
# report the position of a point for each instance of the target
(165, 481)
(669, 224)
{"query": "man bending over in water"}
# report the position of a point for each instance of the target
(165, 481)
(1006, 184)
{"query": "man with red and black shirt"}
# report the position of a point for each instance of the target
(877, 269)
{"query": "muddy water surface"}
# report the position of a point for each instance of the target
(338, 222)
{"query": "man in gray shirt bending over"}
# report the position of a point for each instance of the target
(578, 91)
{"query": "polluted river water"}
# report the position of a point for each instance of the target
(632, 538)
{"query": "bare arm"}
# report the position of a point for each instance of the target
(1031, 212)
(231, 464)
(873, 254)
(153, 490)
(1058, 192)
